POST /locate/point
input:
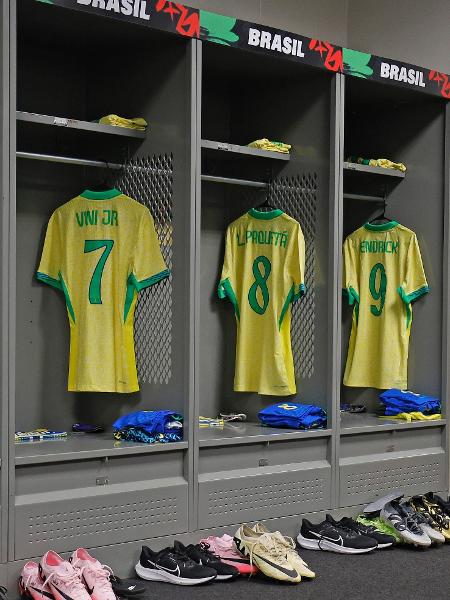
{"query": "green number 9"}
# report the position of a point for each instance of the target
(377, 292)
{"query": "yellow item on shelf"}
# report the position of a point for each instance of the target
(137, 123)
(384, 163)
(265, 144)
(413, 416)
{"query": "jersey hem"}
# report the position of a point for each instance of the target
(264, 391)
(376, 385)
(108, 390)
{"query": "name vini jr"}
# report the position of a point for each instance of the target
(97, 217)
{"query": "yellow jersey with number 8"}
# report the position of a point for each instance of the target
(383, 276)
(263, 275)
(101, 250)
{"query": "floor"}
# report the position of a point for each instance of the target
(397, 573)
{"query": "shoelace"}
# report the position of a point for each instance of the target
(102, 575)
(204, 548)
(72, 580)
(3, 592)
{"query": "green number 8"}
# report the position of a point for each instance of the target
(261, 284)
(380, 292)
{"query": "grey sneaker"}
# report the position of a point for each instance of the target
(394, 515)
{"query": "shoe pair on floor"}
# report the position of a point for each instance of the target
(275, 555)
(185, 565)
(83, 577)
(345, 536)
(422, 520)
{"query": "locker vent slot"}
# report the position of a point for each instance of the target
(51, 527)
(425, 475)
(234, 499)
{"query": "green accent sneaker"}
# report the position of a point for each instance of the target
(381, 525)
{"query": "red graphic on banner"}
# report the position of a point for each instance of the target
(188, 20)
(331, 56)
(442, 81)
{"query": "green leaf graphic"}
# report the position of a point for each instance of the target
(217, 28)
(357, 63)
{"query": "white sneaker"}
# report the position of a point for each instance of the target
(291, 552)
(94, 575)
(62, 579)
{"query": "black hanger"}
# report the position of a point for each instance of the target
(265, 204)
(105, 183)
(382, 216)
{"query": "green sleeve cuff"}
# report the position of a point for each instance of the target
(145, 283)
(352, 295)
(413, 296)
(301, 291)
(44, 278)
(225, 290)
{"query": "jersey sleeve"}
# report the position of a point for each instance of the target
(350, 281)
(225, 288)
(415, 283)
(148, 262)
(298, 265)
(49, 270)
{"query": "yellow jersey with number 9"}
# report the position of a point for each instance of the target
(100, 250)
(263, 275)
(383, 276)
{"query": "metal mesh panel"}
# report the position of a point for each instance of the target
(149, 180)
(297, 196)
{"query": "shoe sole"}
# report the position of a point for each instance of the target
(381, 546)
(380, 503)
(157, 575)
(330, 546)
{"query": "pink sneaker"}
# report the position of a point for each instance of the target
(95, 576)
(30, 583)
(224, 548)
(64, 582)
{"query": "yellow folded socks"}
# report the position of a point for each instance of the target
(137, 123)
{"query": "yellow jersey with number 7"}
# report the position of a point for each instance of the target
(263, 275)
(101, 250)
(383, 277)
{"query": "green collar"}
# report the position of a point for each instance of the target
(270, 214)
(382, 226)
(106, 195)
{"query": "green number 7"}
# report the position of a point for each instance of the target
(95, 289)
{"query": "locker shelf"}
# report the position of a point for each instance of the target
(369, 423)
(234, 149)
(348, 166)
(79, 446)
(63, 122)
(250, 433)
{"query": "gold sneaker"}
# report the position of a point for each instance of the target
(290, 548)
(266, 553)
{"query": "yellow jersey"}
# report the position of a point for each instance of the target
(383, 276)
(100, 250)
(263, 275)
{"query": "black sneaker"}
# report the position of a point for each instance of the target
(126, 588)
(202, 555)
(172, 566)
(382, 539)
(329, 535)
